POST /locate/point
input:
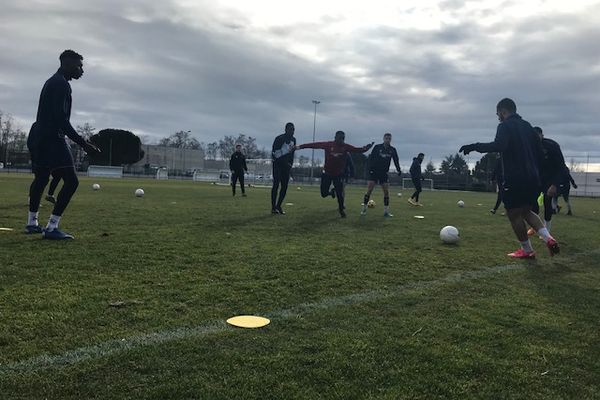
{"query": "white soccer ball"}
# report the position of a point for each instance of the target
(139, 192)
(460, 203)
(449, 235)
(95, 186)
(399, 194)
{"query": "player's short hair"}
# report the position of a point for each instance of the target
(420, 155)
(507, 104)
(340, 133)
(70, 55)
(289, 125)
(387, 134)
(538, 130)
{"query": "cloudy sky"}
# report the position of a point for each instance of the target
(430, 72)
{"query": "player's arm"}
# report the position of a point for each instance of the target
(231, 162)
(245, 165)
(572, 180)
(314, 145)
(353, 149)
(396, 161)
(60, 114)
(499, 144)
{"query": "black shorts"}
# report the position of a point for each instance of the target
(51, 155)
(517, 196)
(379, 177)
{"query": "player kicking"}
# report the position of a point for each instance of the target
(336, 153)
(379, 165)
(417, 177)
(521, 153)
(50, 154)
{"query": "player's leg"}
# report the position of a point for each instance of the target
(52, 188)
(234, 178)
(70, 184)
(36, 190)
(565, 196)
(326, 185)
(338, 186)
(285, 180)
(370, 187)
(548, 211)
(275, 188)
(386, 199)
(241, 177)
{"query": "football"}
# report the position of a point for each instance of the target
(95, 186)
(139, 192)
(371, 204)
(449, 235)
(460, 203)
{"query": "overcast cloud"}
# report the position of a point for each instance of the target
(429, 72)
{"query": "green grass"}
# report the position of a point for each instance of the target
(187, 255)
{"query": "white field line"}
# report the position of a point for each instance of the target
(111, 347)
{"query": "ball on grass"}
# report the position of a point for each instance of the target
(449, 235)
(139, 192)
(460, 203)
(371, 204)
(95, 186)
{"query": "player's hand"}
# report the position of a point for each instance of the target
(575, 185)
(370, 145)
(91, 148)
(467, 148)
(551, 191)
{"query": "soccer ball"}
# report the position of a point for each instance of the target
(139, 192)
(371, 204)
(399, 194)
(460, 203)
(449, 235)
(95, 186)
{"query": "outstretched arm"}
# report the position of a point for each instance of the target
(499, 144)
(314, 145)
(353, 149)
(396, 162)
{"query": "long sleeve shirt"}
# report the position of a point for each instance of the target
(335, 155)
(381, 157)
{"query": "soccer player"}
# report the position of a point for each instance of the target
(283, 159)
(237, 166)
(50, 154)
(335, 164)
(417, 178)
(553, 173)
(521, 153)
(498, 180)
(379, 165)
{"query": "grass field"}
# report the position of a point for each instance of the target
(361, 308)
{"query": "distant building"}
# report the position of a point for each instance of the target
(173, 158)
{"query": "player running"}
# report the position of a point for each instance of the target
(553, 172)
(283, 159)
(379, 165)
(237, 166)
(417, 178)
(50, 154)
(335, 164)
(521, 152)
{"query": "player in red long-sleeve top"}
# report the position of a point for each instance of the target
(335, 164)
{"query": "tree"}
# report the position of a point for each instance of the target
(485, 167)
(429, 169)
(303, 161)
(181, 140)
(117, 147)
(86, 131)
(211, 151)
(454, 164)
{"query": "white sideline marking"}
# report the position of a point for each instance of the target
(111, 347)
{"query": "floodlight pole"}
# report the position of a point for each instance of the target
(312, 163)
